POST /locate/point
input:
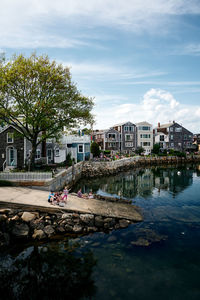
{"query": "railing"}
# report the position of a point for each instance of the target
(28, 176)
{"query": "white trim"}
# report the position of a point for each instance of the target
(83, 148)
(11, 137)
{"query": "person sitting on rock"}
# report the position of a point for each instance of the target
(80, 195)
(51, 197)
(57, 198)
(90, 195)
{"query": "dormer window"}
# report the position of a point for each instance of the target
(10, 137)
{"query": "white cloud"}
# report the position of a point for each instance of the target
(156, 106)
(190, 49)
(29, 22)
(105, 71)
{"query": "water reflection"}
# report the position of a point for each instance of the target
(53, 271)
(142, 182)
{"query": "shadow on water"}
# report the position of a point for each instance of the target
(53, 271)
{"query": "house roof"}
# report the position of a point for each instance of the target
(165, 125)
(121, 124)
(143, 123)
(2, 129)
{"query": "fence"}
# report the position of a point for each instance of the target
(28, 176)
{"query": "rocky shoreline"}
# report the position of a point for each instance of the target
(18, 225)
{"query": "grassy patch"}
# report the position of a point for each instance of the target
(5, 183)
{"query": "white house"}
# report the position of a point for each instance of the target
(145, 136)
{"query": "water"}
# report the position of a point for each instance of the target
(156, 259)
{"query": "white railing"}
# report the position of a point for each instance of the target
(28, 176)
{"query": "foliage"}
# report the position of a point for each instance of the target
(106, 152)
(156, 148)
(139, 150)
(68, 160)
(95, 149)
(38, 97)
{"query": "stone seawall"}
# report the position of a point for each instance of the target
(97, 169)
(18, 225)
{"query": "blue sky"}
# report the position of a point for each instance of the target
(140, 60)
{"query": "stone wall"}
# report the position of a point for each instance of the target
(17, 225)
(97, 169)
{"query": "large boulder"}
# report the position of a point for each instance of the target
(5, 210)
(38, 234)
(124, 223)
(87, 219)
(3, 218)
(49, 230)
(77, 229)
(20, 230)
(27, 216)
(99, 222)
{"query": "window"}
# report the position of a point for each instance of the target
(57, 152)
(185, 136)
(128, 128)
(178, 129)
(162, 138)
(87, 148)
(37, 154)
(111, 136)
(80, 148)
(171, 137)
(145, 136)
(146, 143)
(171, 129)
(10, 138)
(172, 144)
(128, 144)
(145, 128)
(128, 137)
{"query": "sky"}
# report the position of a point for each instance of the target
(139, 60)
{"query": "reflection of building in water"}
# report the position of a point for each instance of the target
(145, 183)
(141, 182)
(170, 179)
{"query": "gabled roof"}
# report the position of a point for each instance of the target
(165, 125)
(2, 129)
(143, 123)
(124, 123)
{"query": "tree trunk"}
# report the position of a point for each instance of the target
(33, 153)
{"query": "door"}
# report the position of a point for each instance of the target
(11, 157)
(49, 156)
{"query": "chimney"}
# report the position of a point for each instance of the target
(173, 122)
(159, 124)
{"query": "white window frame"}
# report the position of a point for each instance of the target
(131, 137)
(37, 154)
(80, 145)
(10, 135)
(128, 144)
(178, 129)
(57, 152)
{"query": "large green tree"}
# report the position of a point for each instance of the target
(38, 97)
